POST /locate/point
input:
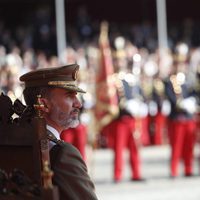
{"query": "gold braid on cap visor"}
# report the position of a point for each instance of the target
(66, 84)
(62, 83)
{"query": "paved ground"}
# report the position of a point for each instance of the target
(155, 169)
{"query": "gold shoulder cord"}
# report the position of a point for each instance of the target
(176, 85)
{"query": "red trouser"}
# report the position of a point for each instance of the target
(182, 140)
(76, 136)
(144, 130)
(198, 123)
(122, 130)
(159, 123)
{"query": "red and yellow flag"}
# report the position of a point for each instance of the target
(106, 93)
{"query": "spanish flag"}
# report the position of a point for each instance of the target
(106, 91)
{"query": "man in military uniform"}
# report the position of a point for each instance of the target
(181, 121)
(159, 112)
(124, 132)
(197, 94)
(58, 90)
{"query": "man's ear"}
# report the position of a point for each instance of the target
(46, 103)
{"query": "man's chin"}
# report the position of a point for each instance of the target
(74, 124)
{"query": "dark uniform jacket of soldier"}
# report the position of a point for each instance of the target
(70, 173)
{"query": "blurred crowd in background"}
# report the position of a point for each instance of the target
(141, 70)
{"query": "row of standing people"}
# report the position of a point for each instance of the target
(170, 116)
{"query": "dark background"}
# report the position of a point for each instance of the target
(36, 18)
(129, 11)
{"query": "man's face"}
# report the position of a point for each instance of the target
(63, 109)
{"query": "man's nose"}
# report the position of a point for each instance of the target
(77, 103)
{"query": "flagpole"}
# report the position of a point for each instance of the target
(162, 24)
(60, 27)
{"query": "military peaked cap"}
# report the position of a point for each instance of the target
(61, 77)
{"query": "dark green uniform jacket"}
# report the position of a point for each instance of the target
(70, 173)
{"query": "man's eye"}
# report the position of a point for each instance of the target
(70, 94)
